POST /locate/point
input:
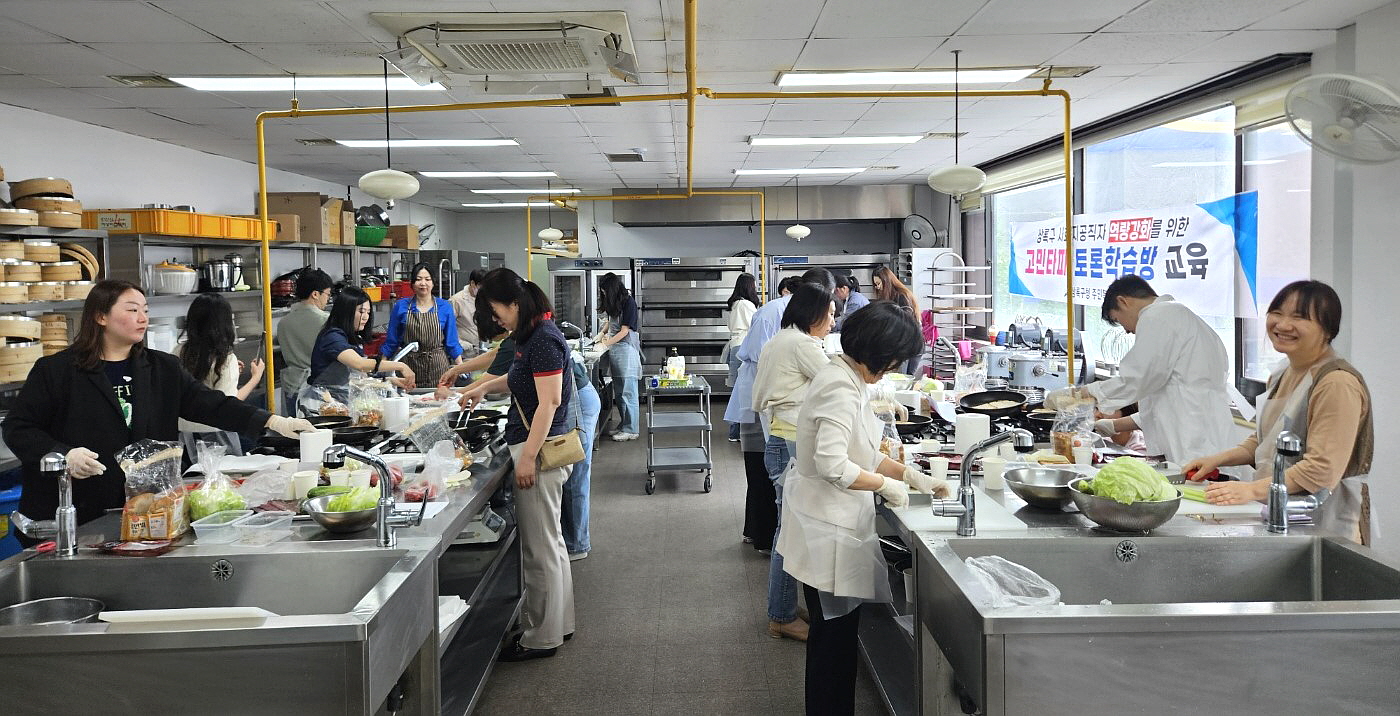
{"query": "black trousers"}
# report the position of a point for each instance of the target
(760, 502)
(832, 650)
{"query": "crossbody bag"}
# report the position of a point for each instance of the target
(558, 450)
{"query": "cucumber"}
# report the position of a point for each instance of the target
(328, 490)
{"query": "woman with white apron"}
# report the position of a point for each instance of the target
(828, 540)
(1320, 398)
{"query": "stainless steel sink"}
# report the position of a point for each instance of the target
(1257, 624)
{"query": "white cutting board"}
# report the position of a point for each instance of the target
(1191, 507)
(991, 517)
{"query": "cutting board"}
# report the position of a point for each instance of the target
(1191, 507)
(991, 517)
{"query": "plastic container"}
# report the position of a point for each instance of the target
(264, 527)
(218, 528)
(9, 502)
(370, 235)
(172, 223)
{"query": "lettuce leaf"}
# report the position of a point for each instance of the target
(1128, 480)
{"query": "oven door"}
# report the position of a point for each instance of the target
(681, 316)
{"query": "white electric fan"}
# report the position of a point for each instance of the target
(1352, 118)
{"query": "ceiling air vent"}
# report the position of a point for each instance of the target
(624, 157)
(318, 142)
(143, 81)
(1056, 72)
(945, 135)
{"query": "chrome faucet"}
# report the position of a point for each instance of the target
(63, 528)
(387, 517)
(965, 507)
(1289, 447)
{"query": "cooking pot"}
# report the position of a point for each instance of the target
(217, 275)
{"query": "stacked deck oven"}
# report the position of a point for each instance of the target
(683, 307)
(862, 266)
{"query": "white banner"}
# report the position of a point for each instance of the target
(1190, 252)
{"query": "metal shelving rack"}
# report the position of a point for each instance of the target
(941, 277)
(679, 458)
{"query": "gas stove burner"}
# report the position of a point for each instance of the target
(994, 384)
(1034, 396)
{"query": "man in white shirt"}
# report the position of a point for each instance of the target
(1176, 372)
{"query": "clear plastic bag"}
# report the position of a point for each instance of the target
(322, 400)
(1073, 427)
(216, 493)
(439, 463)
(970, 379)
(367, 400)
(888, 411)
(1011, 585)
(156, 502)
(265, 486)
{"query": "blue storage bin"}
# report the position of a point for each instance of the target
(9, 502)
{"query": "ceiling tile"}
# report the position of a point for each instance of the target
(342, 58)
(183, 59)
(734, 55)
(824, 110)
(13, 32)
(155, 97)
(293, 21)
(816, 127)
(861, 54)
(1018, 17)
(25, 82)
(104, 21)
(748, 20)
(46, 99)
(1193, 15)
(1330, 15)
(1138, 47)
(1250, 45)
(60, 59)
(1002, 50)
(888, 19)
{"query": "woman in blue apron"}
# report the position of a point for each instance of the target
(624, 346)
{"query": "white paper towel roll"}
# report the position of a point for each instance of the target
(972, 428)
(313, 444)
(912, 399)
(395, 415)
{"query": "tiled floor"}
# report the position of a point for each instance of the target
(671, 612)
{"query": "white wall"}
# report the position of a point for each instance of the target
(503, 231)
(111, 169)
(1354, 220)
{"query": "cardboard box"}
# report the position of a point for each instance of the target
(347, 228)
(404, 236)
(288, 226)
(318, 216)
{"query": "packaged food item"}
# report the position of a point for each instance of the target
(216, 493)
(1073, 427)
(156, 506)
(367, 400)
(440, 463)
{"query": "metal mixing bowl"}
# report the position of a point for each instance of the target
(1137, 517)
(1043, 487)
(54, 610)
(343, 522)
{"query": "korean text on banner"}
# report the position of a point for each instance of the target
(1192, 252)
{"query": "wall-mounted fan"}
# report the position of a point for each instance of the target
(918, 232)
(1351, 118)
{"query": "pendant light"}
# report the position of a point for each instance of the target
(798, 232)
(957, 179)
(388, 183)
(549, 233)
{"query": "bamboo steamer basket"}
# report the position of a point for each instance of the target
(45, 251)
(50, 203)
(18, 217)
(61, 271)
(15, 373)
(23, 272)
(21, 327)
(46, 291)
(54, 350)
(54, 318)
(76, 290)
(12, 250)
(54, 332)
(20, 353)
(61, 219)
(47, 186)
(14, 292)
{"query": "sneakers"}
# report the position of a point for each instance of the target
(576, 556)
(623, 437)
(795, 630)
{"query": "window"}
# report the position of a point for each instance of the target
(1277, 164)
(1036, 202)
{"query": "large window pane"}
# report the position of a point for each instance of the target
(1036, 202)
(1183, 162)
(1277, 164)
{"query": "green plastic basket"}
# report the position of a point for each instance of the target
(370, 235)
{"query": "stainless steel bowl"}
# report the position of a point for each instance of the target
(1137, 517)
(1043, 487)
(54, 610)
(343, 522)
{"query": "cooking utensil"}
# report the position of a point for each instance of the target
(44, 186)
(216, 275)
(1043, 487)
(53, 610)
(371, 215)
(358, 436)
(974, 402)
(913, 424)
(330, 421)
(1114, 515)
(339, 522)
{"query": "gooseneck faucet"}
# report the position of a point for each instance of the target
(387, 517)
(1289, 447)
(63, 528)
(965, 507)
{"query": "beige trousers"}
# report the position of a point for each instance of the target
(548, 612)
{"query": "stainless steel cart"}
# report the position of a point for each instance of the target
(678, 458)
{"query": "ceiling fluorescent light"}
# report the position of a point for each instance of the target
(506, 205)
(284, 83)
(479, 175)
(424, 143)
(526, 191)
(907, 77)
(801, 141)
(794, 172)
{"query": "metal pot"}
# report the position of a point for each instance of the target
(53, 610)
(217, 275)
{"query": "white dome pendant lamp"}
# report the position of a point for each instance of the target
(549, 233)
(388, 183)
(798, 232)
(957, 179)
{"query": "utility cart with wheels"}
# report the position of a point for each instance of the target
(678, 458)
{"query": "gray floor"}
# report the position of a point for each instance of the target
(671, 612)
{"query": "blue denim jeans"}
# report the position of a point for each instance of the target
(574, 515)
(782, 588)
(626, 369)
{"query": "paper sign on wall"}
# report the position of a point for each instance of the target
(1192, 252)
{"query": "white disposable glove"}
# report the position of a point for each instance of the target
(895, 492)
(1105, 427)
(925, 483)
(83, 462)
(289, 427)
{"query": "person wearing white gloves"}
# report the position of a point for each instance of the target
(105, 392)
(828, 539)
(1176, 372)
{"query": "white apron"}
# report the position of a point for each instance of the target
(1340, 511)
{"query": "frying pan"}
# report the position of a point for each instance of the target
(277, 442)
(360, 436)
(973, 403)
(477, 435)
(330, 421)
(371, 215)
(913, 424)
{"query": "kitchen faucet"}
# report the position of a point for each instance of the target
(1288, 448)
(387, 517)
(63, 528)
(965, 507)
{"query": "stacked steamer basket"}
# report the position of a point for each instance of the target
(20, 348)
(40, 269)
(54, 332)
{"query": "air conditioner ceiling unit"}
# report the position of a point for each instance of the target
(519, 44)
